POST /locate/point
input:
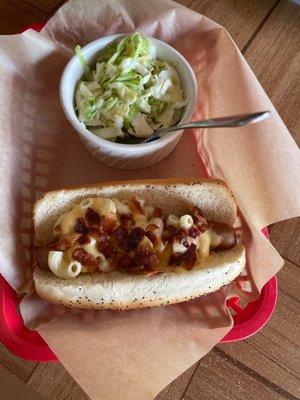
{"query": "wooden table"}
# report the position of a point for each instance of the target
(265, 367)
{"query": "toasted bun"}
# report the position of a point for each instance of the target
(119, 291)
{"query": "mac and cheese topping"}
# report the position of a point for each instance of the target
(101, 234)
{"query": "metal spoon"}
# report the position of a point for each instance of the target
(223, 122)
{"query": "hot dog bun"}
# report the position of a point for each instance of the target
(119, 291)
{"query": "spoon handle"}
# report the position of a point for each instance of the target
(223, 122)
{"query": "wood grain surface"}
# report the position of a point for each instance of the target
(267, 365)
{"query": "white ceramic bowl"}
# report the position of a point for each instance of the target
(126, 156)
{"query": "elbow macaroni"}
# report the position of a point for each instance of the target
(149, 210)
(62, 269)
(121, 207)
(173, 220)
(159, 223)
(103, 206)
(186, 221)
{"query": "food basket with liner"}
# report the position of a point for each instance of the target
(248, 319)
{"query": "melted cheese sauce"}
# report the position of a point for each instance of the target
(67, 221)
(207, 240)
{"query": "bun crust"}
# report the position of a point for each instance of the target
(119, 291)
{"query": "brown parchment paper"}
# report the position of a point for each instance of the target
(133, 355)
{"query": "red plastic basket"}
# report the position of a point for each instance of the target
(30, 345)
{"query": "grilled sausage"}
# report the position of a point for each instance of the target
(227, 233)
(41, 254)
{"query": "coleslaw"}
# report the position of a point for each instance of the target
(129, 93)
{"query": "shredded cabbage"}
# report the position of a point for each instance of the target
(129, 93)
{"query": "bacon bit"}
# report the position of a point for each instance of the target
(123, 261)
(151, 228)
(126, 220)
(94, 232)
(135, 206)
(67, 240)
(57, 228)
(108, 223)
(178, 236)
(145, 255)
(170, 229)
(202, 228)
(155, 240)
(136, 236)
(199, 218)
(92, 217)
(41, 255)
(122, 237)
(193, 232)
(105, 246)
(80, 226)
(86, 259)
(157, 212)
(84, 239)
(188, 259)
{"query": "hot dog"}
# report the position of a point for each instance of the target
(135, 244)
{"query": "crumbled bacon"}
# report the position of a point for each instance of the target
(86, 259)
(203, 228)
(157, 212)
(153, 238)
(126, 220)
(135, 206)
(178, 236)
(108, 223)
(145, 254)
(123, 261)
(123, 238)
(193, 232)
(151, 228)
(188, 259)
(136, 235)
(105, 246)
(84, 239)
(170, 229)
(92, 217)
(68, 240)
(152, 234)
(80, 226)
(199, 218)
